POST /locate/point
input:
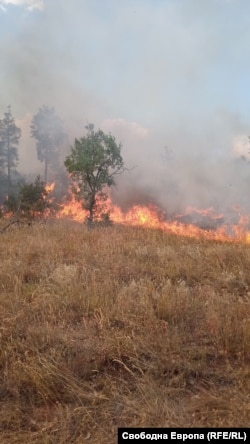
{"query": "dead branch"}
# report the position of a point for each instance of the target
(16, 221)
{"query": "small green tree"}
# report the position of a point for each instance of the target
(9, 139)
(31, 199)
(94, 161)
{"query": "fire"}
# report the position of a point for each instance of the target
(49, 187)
(73, 210)
(137, 215)
(153, 217)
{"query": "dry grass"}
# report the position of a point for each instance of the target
(120, 327)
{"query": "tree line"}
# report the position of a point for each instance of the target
(94, 161)
(47, 130)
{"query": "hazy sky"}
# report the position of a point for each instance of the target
(153, 72)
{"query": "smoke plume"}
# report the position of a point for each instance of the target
(168, 79)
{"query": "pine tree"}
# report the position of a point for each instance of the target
(9, 140)
(46, 128)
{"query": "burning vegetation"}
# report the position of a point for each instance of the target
(85, 194)
(144, 322)
(38, 201)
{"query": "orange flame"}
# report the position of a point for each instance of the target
(49, 187)
(73, 210)
(153, 217)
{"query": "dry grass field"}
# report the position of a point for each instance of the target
(120, 326)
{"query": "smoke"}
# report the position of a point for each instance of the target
(209, 170)
(168, 79)
(29, 4)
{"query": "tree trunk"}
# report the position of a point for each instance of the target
(91, 209)
(46, 170)
(91, 214)
(8, 162)
(9, 178)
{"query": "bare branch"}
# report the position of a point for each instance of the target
(16, 221)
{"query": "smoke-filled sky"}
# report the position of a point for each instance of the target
(154, 73)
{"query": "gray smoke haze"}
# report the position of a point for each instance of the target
(155, 73)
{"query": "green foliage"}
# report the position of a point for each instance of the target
(46, 128)
(3, 186)
(94, 161)
(30, 201)
(12, 203)
(7, 194)
(9, 139)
